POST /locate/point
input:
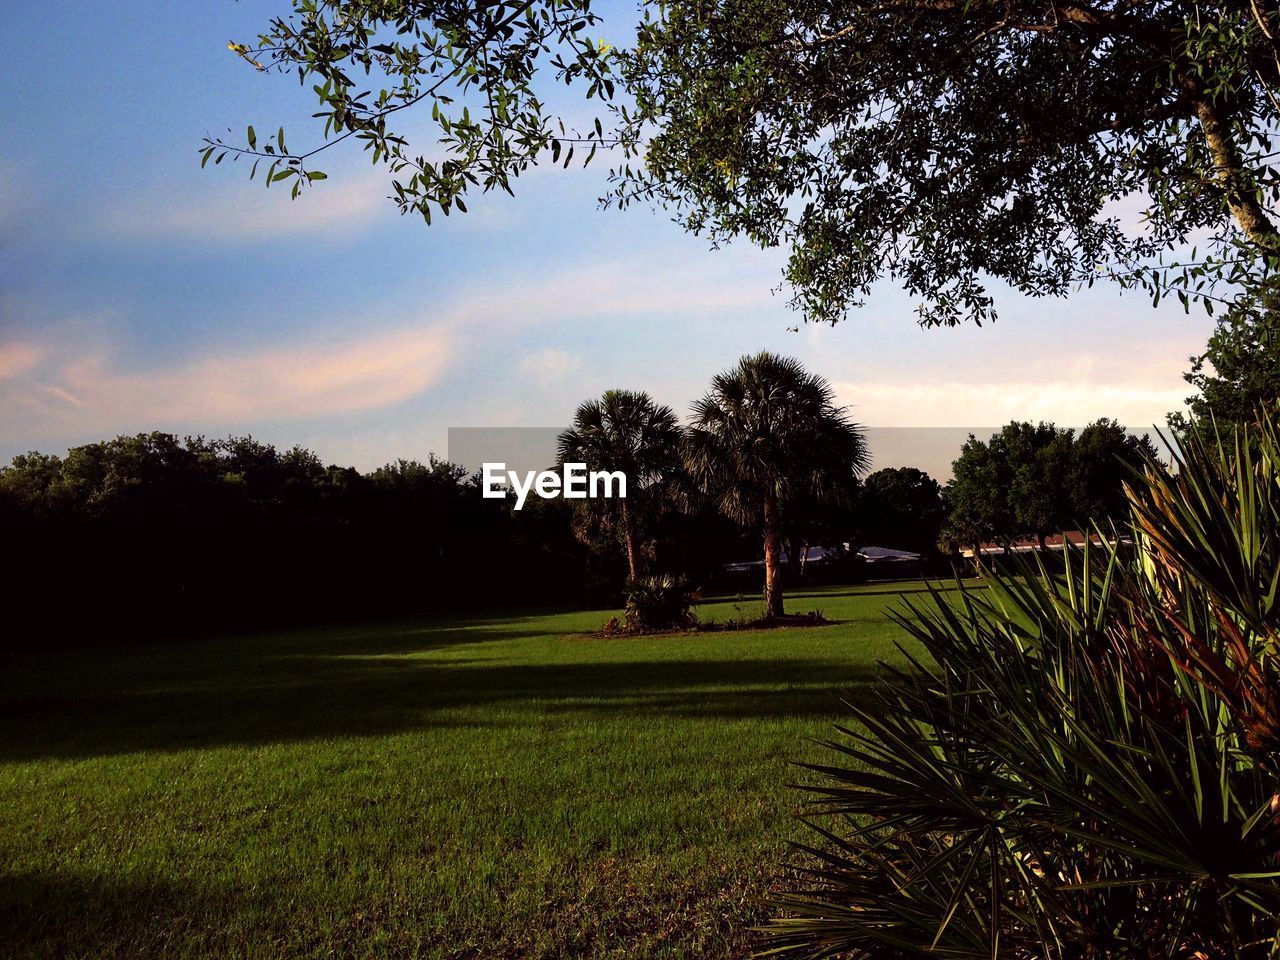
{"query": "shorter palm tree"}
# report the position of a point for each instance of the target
(626, 430)
(767, 435)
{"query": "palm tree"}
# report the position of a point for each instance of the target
(766, 435)
(626, 430)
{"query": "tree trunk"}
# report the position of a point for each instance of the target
(629, 535)
(772, 559)
(1229, 167)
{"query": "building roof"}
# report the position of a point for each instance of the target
(879, 554)
(1054, 541)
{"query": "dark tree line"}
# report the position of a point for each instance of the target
(152, 534)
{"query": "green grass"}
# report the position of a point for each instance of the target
(498, 786)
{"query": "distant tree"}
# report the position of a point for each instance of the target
(1106, 456)
(1037, 479)
(962, 531)
(902, 508)
(813, 520)
(413, 479)
(626, 430)
(767, 435)
(1239, 371)
(421, 501)
(977, 497)
(1037, 460)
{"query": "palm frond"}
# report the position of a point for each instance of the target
(1085, 762)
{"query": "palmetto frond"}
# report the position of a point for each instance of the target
(1083, 763)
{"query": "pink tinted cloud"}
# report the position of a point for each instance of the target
(17, 358)
(89, 393)
(79, 386)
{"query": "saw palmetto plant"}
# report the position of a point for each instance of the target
(1085, 761)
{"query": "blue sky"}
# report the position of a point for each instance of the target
(138, 292)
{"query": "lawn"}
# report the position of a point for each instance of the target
(490, 786)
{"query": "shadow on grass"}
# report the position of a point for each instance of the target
(800, 599)
(299, 686)
(52, 914)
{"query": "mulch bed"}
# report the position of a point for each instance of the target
(789, 621)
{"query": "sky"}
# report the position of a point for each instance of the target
(138, 292)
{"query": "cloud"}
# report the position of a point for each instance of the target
(17, 358)
(65, 392)
(1066, 402)
(224, 206)
(618, 288)
(238, 209)
(549, 367)
(77, 382)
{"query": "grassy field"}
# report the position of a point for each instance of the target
(499, 786)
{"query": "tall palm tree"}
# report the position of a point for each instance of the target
(767, 434)
(626, 430)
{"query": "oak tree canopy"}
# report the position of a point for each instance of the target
(940, 143)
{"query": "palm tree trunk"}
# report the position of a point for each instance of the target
(629, 535)
(772, 559)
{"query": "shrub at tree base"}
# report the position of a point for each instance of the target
(813, 618)
(659, 603)
(1085, 765)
